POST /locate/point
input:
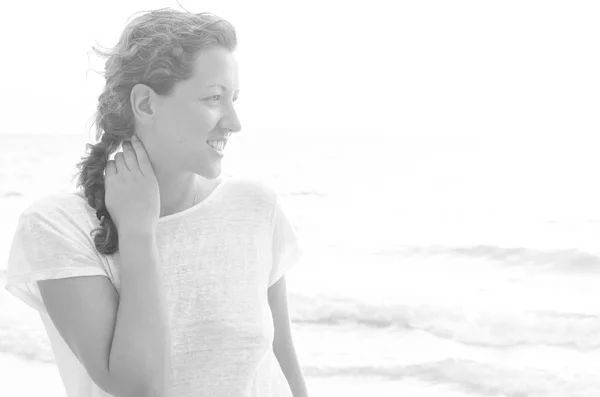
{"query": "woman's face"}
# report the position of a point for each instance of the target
(199, 110)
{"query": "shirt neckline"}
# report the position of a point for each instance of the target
(195, 207)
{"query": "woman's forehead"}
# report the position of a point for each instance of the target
(216, 67)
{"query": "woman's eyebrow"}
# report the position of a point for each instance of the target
(220, 86)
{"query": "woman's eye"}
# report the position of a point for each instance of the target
(217, 98)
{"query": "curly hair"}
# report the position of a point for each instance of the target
(157, 49)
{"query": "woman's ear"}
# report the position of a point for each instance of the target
(143, 101)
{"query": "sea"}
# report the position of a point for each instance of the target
(445, 265)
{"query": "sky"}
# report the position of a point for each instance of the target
(511, 69)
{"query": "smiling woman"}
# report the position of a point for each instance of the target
(159, 276)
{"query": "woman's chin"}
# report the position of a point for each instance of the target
(211, 172)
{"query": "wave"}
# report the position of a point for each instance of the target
(11, 194)
(561, 261)
(475, 378)
(470, 376)
(486, 328)
(25, 337)
(304, 193)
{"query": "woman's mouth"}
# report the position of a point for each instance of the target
(218, 146)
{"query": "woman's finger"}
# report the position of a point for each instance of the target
(120, 161)
(142, 156)
(111, 168)
(130, 156)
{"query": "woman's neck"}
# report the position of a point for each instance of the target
(177, 195)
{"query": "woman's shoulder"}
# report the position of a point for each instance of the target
(60, 206)
(251, 188)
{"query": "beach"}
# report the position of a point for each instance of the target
(399, 298)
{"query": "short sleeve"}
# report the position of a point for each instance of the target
(286, 248)
(47, 246)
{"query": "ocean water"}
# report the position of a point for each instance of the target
(431, 267)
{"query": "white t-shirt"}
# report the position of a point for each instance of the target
(218, 258)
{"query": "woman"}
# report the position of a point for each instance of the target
(160, 277)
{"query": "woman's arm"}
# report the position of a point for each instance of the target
(283, 345)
